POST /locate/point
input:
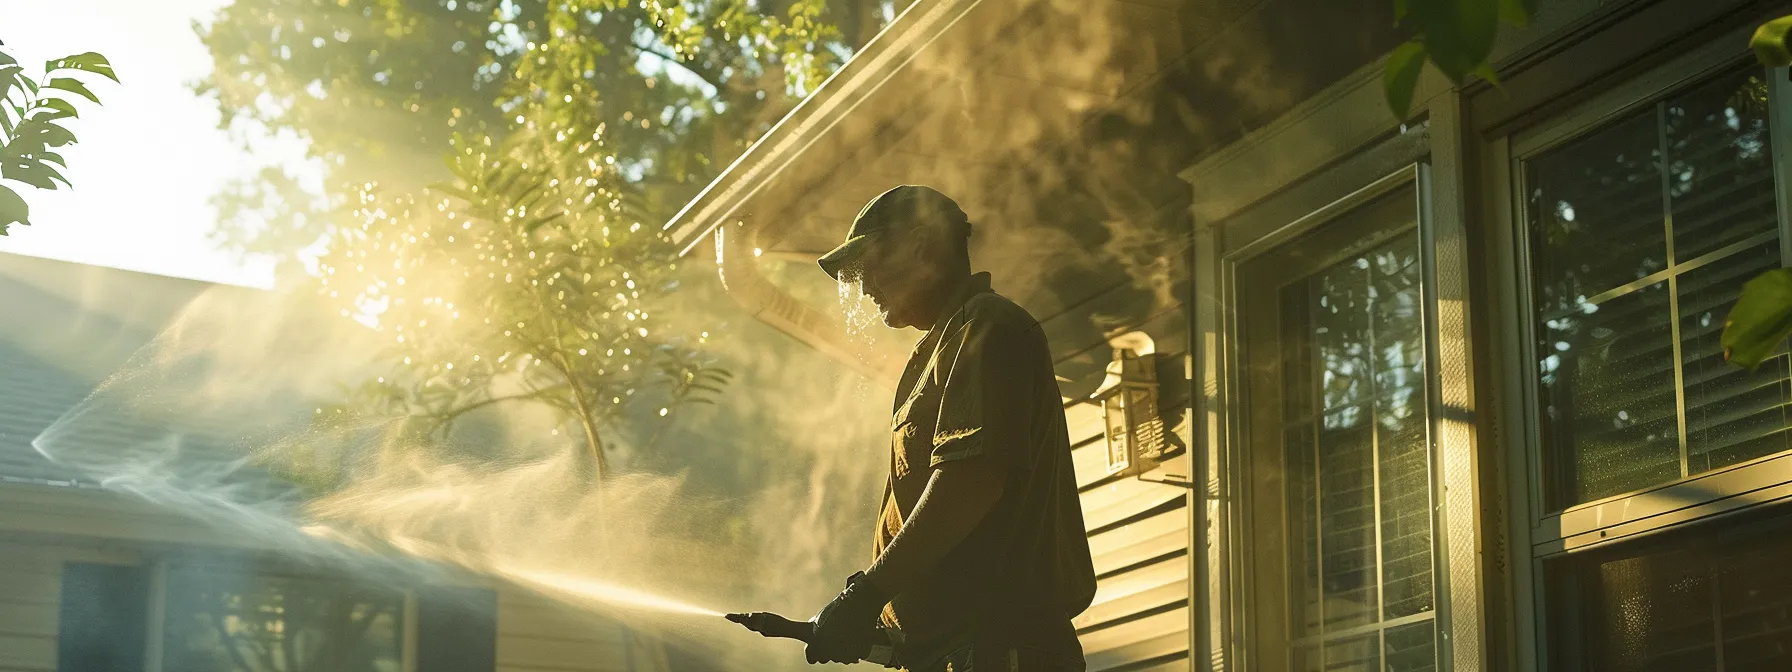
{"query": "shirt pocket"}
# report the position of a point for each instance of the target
(911, 435)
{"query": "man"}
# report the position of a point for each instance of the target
(981, 559)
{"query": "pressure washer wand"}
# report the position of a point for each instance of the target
(883, 652)
(773, 625)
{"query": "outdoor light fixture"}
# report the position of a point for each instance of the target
(1128, 397)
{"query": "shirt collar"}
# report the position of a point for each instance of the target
(977, 283)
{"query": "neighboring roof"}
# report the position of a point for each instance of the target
(69, 328)
(33, 394)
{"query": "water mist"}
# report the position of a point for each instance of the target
(220, 410)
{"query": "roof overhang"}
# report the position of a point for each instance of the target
(1058, 125)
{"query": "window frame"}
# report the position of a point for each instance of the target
(1373, 172)
(1363, 240)
(1537, 535)
(1614, 517)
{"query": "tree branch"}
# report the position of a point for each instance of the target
(446, 417)
(708, 78)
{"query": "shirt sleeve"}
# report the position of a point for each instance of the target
(984, 405)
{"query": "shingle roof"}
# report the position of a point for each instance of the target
(64, 329)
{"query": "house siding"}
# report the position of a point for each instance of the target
(534, 634)
(30, 599)
(539, 635)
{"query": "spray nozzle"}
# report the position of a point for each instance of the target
(773, 625)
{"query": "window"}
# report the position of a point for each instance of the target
(1651, 508)
(1642, 231)
(1711, 598)
(102, 618)
(1332, 338)
(228, 622)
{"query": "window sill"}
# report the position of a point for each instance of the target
(1745, 485)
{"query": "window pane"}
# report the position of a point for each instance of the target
(1340, 306)
(1335, 345)
(1306, 659)
(1595, 214)
(226, 622)
(1401, 437)
(1356, 654)
(1732, 414)
(1608, 400)
(1707, 598)
(1755, 598)
(1720, 170)
(1411, 648)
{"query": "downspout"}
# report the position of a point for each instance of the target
(767, 303)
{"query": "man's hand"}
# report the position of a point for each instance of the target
(847, 626)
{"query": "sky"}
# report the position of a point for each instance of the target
(151, 157)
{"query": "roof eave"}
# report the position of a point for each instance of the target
(838, 96)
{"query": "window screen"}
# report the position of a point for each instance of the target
(1642, 234)
(1334, 333)
(1358, 461)
(1718, 600)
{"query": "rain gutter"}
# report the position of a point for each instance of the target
(717, 210)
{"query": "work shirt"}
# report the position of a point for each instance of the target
(979, 386)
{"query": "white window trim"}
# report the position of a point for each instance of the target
(1537, 534)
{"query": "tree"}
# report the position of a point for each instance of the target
(525, 280)
(378, 86)
(1455, 36)
(532, 271)
(31, 114)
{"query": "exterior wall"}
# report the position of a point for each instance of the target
(30, 598)
(539, 635)
(534, 634)
(1139, 542)
(1340, 140)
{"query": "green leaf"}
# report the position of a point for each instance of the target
(33, 172)
(1402, 76)
(9, 78)
(12, 209)
(52, 157)
(1769, 43)
(1518, 12)
(1458, 34)
(87, 62)
(6, 59)
(1760, 320)
(60, 109)
(34, 134)
(73, 86)
(1486, 72)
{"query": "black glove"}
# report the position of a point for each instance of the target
(847, 626)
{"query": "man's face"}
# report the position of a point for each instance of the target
(897, 275)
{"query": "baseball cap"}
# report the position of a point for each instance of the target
(898, 210)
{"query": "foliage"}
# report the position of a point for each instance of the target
(532, 271)
(1762, 317)
(1455, 36)
(378, 86)
(1769, 43)
(31, 114)
(524, 280)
